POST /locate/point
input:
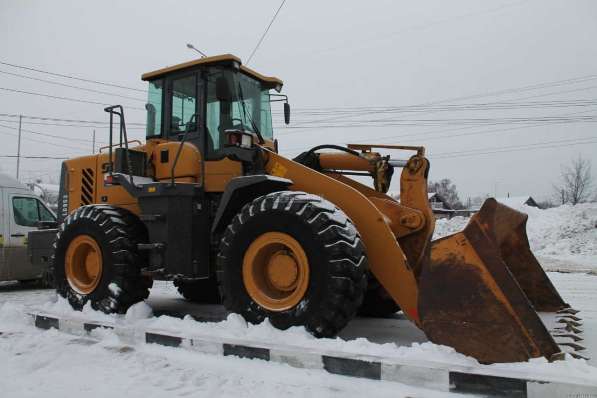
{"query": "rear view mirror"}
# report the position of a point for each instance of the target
(286, 113)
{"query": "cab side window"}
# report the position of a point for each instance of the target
(183, 103)
(154, 108)
(29, 211)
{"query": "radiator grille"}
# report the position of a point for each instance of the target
(87, 183)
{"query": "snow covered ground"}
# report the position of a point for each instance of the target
(35, 362)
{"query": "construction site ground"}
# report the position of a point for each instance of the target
(34, 361)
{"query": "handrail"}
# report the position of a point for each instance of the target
(182, 141)
(111, 110)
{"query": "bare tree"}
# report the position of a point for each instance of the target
(575, 182)
(447, 190)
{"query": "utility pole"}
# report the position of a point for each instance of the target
(19, 146)
(93, 149)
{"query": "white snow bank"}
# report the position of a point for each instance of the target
(565, 236)
(50, 363)
(236, 327)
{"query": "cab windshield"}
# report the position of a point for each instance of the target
(236, 101)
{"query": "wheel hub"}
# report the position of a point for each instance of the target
(83, 264)
(276, 271)
(282, 271)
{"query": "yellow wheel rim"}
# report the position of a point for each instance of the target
(83, 264)
(276, 271)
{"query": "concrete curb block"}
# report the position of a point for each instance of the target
(460, 379)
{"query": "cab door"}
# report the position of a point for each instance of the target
(24, 213)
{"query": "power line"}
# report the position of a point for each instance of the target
(71, 86)
(366, 111)
(70, 125)
(48, 135)
(425, 135)
(64, 120)
(516, 148)
(33, 157)
(265, 33)
(448, 122)
(63, 98)
(71, 77)
(538, 86)
(39, 141)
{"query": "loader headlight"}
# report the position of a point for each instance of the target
(239, 138)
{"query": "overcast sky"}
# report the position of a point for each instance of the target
(531, 59)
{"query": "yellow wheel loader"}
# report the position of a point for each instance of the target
(209, 203)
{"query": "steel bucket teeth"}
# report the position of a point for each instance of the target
(569, 322)
(558, 356)
(568, 335)
(571, 311)
(570, 328)
(570, 317)
(574, 346)
(578, 356)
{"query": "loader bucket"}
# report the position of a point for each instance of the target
(480, 291)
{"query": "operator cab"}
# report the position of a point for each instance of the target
(216, 101)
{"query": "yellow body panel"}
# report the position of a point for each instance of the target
(219, 172)
(188, 166)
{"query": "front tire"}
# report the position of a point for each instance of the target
(96, 259)
(296, 259)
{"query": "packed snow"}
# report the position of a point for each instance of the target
(55, 364)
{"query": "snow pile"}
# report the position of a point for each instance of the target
(564, 237)
(51, 363)
(235, 327)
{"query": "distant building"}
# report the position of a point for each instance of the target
(440, 207)
(517, 201)
(437, 202)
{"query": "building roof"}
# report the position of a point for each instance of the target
(517, 201)
(215, 60)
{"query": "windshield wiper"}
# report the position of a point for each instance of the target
(248, 115)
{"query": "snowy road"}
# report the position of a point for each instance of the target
(33, 362)
(54, 364)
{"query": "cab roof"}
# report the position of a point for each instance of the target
(269, 81)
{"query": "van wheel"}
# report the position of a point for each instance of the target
(296, 259)
(96, 259)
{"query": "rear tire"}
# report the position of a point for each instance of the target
(329, 242)
(199, 291)
(115, 232)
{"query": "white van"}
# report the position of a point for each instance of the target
(21, 212)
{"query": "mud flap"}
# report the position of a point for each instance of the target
(482, 287)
